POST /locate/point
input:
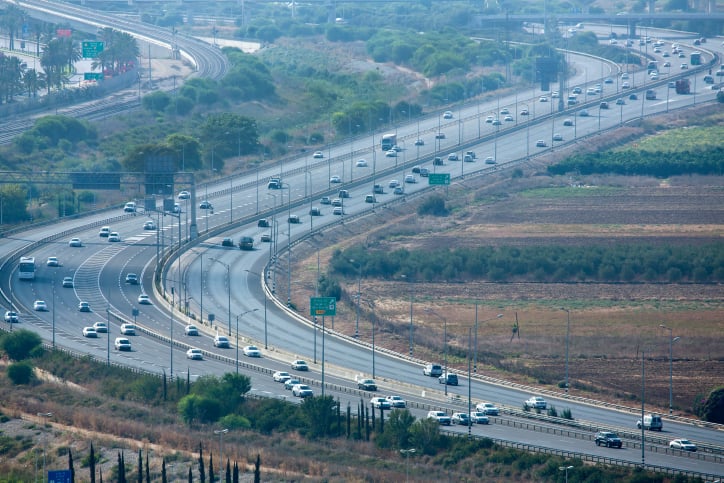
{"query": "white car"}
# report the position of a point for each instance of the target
(318, 155)
(191, 330)
(557, 137)
(452, 157)
(335, 179)
(488, 409)
(391, 153)
(281, 376)
(252, 351)
(194, 354)
(682, 444)
(114, 237)
(396, 401)
(11, 317)
(447, 115)
(542, 99)
(380, 403)
(479, 418)
(128, 329)
(104, 232)
(300, 365)
(361, 163)
(84, 307)
(393, 183)
(490, 160)
(461, 418)
(184, 195)
(100, 327)
(40, 306)
(222, 341)
(410, 179)
(143, 299)
(52, 262)
(440, 417)
(75, 242)
(338, 210)
(122, 344)
(535, 402)
(90, 332)
(302, 390)
(149, 225)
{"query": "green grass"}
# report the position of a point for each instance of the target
(681, 140)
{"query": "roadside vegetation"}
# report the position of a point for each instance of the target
(105, 407)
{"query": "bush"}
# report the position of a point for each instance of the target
(566, 414)
(21, 373)
(711, 407)
(433, 205)
(21, 344)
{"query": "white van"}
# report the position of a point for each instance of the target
(651, 422)
(130, 207)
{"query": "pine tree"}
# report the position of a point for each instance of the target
(148, 471)
(163, 471)
(191, 476)
(140, 466)
(211, 468)
(257, 469)
(70, 466)
(202, 471)
(236, 472)
(92, 464)
(228, 471)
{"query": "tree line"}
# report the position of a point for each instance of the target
(627, 263)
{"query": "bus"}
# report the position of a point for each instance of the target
(388, 141)
(695, 58)
(26, 268)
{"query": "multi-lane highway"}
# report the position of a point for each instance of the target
(201, 277)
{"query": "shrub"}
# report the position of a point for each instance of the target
(566, 414)
(433, 205)
(21, 373)
(552, 411)
(21, 344)
(711, 407)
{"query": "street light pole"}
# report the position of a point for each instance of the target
(568, 332)
(565, 468)
(237, 335)
(221, 433)
(45, 417)
(228, 291)
(672, 339)
(359, 295)
(475, 342)
(444, 340)
(407, 453)
(266, 338)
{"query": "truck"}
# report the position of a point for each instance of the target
(388, 141)
(682, 86)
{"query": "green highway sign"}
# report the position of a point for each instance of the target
(322, 306)
(91, 49)
(92, 76)
(439, 179)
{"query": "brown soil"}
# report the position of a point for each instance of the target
(611, 324)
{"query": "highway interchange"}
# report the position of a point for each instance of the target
(99, 268)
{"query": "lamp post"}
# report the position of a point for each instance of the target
(237, 335)
(568, 332)
(444, 340)
(672, 339)
(412, 297)
(45, 417)
(228, 288)
(475, 342)
(359, 294)
(221, 433)
(407, 453)
(266, 339)
(470, 395)
(565, 468)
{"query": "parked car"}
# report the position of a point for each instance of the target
(100, 327)
(535, 402)
(195, 354)
(608, 439)
(11, 317)
(461, 418)
(122, 344)
(300, 365)
(380, 403)
(302, 390)
(396, 401)
(489, 409)
(132, 278)
(90, 332)
(366, 385)
(128, 329)
(67, 282)
(221, 341)
(252, 351)
(191, 330)
(440, 417)
(479, 418)
(281, 376)
(84, 307)
(40, 306)
(682, 444)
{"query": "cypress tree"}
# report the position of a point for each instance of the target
(70, 466)
(92, 464)
(202, 470)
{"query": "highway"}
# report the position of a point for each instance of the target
(99, 267)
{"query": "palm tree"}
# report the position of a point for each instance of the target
(11, 73)
(53, 60)
(33, 81)
(12, 21)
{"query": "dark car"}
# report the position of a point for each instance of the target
(437, 162)
(246, 243)
(367, 385)
(608, 439)
(263, 223)
(227, 242)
